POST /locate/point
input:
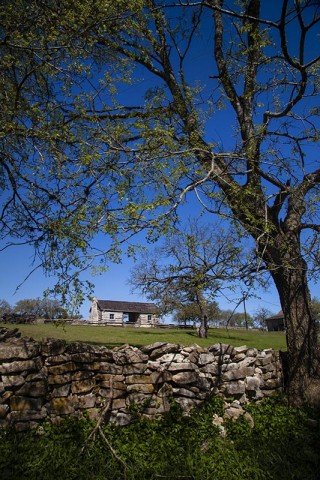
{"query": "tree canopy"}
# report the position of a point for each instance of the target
(111, 119)
(187, 270)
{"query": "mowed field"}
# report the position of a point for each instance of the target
(116, 336)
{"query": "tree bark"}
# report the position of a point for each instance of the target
(203, 329)
(289, 272)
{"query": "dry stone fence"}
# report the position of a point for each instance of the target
(49, 380)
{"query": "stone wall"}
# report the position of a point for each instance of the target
(50, 380)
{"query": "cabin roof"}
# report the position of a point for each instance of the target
(278, 316)
(127, 307)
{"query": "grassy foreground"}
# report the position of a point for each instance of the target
(115, 336)
(282, 445)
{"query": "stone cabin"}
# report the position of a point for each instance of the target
(119, 313)
(276, 323)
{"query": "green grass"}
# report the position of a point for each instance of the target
(282, 445)
(114, 336)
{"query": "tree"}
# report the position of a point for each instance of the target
(189, 312)
(5, 307)
(119, 164)
(260, 316)
(187, 271)
(44, 308)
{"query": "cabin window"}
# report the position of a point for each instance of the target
(149, 318)
(111, 316)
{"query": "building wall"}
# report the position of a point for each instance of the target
(117, 317)
(103, 316)
(51, 380)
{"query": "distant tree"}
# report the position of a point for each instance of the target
(241, 320)
(44, 308)
(28, 306)
(5, 307)
(231, 318)
(260, 316)
(188, 269)
(189, 312)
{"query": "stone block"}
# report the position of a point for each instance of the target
(165, 391)
(25, 403)
(119, 404)
(270, 367)
(183, 392)
(141, 388)
(105, 393)
(82, 375)
(252, 352)
(91, 357)
(253, 383)
(271, 384)
(33, 389)
(40, 375)
(63, 405)
(59, 379)
(25, 416)
(212, 368)
(134, 379)
(154, 365)
(61, 391)
(10, 381)
(238, 357)
(235, 388)
(53, 347)
(20, 366)
(134, 369)
(93, 413)
(221, 349)
(242, 349)
(121, 419)
(4, 409)
(181, 367)
(165, 348)
(83, 386)
(187, 404)
(62, 368)
(184, 378)
(58, 359)
(147, 349)
(129, 355)
(247, 361)
(105, 367)
(161, 377)
(20, 350)
(171, 358)
(205, 358)
(203, 383)
(238, 373)
(87, 401)
(264, 360)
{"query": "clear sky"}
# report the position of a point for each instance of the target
(17, 262)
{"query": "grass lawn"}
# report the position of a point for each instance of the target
(115, 336)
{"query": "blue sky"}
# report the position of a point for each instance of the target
(17, 262)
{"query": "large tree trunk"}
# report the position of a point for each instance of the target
(289, 272)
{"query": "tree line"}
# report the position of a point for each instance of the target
(38, 307)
